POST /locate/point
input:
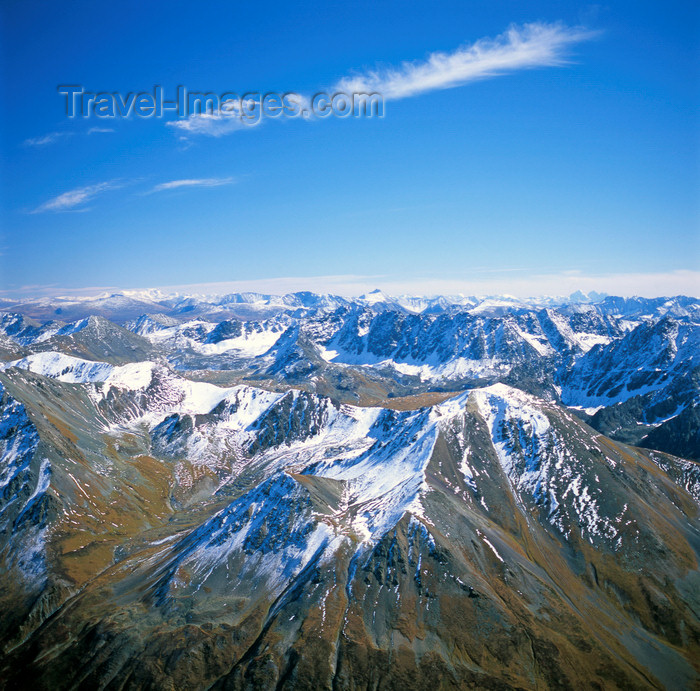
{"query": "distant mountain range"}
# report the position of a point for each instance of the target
(316, 492)
(120, 307)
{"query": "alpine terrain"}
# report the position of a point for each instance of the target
(316, 492)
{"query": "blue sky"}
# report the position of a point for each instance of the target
(575, 168)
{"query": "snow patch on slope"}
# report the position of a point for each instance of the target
(21, 486)
(65, 368)
(539, 464)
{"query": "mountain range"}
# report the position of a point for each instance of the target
(318, 492)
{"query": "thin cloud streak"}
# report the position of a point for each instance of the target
(526, 47)
(201, 182)
(49, 138)
(53, 137)
(74, 199)
(211, 124)
(519, 48)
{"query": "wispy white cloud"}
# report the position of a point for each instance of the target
(46, 139)
(75, 200)
(524, 47)
(212, 124)
(53, 137)
(519, 48)
(232, 115)
(197, 182)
